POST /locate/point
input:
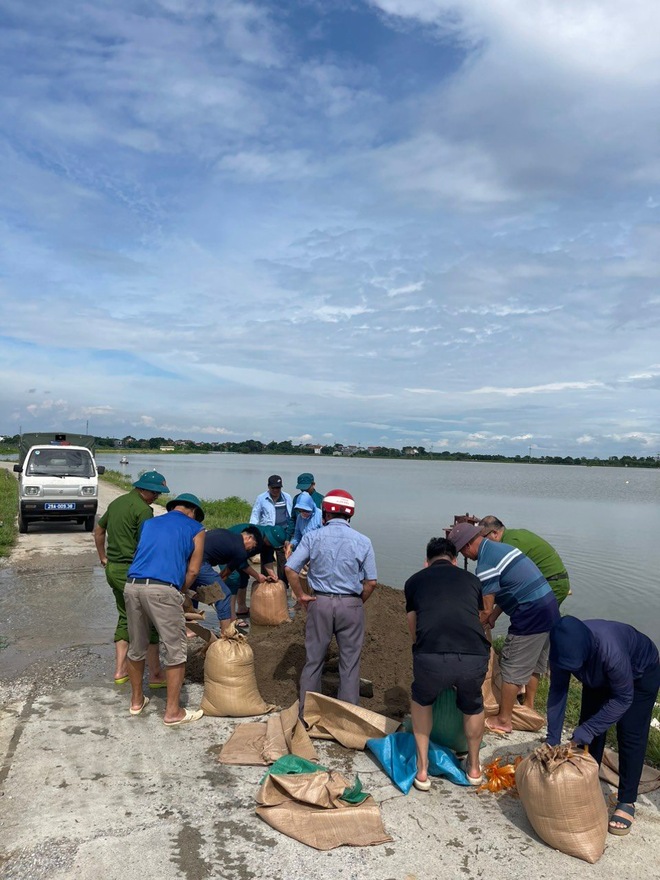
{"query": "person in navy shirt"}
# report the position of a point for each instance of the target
(619, 669)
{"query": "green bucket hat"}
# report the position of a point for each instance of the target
(275, 535)
(152, 481)
(187, 498)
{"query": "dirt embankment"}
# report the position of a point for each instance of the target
(279, 654)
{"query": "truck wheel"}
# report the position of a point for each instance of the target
(89, 523)
(22, 524)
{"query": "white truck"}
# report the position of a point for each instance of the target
(58, 479)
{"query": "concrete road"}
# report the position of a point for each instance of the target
(89, 792)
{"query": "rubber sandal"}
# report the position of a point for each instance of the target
(420, 785)
(188, 718)
(243, 613)
(627, 823)
(145, 703)
(121, 680)
(242, 626)
(154, 685)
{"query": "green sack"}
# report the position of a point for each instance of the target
(354, 795)
(447, 727)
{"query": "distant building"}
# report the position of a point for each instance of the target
(167, 448)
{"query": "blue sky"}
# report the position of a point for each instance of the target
(385, 222)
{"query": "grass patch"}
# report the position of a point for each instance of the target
(220, 512)
(8, 510)
(572, 717)
(116, 478)
(225, 512)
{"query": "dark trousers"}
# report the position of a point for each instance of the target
(269, 556)
(632, 730)
(344, 618)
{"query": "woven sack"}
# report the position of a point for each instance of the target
(230, 685)
(268, 604)
(562, 797)
(447, 727)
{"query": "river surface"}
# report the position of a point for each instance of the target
(604, 522)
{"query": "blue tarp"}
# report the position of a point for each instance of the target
(397, 755)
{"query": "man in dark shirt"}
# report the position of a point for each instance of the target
(450, 649)
(231, 551)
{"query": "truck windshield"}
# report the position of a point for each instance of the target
(59, 462)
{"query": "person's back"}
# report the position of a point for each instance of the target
(447, 600)
(337, 557)
(166, 544)
(519, 588)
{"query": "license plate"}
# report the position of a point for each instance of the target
(60, 506)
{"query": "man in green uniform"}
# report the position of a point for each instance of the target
(122, 524)
(542, 554)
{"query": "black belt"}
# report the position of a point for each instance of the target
(336, 595)
(558, 577)
(152, 581)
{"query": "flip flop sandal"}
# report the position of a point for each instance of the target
(154, 685)
(420, 785)
(473, 780)
(495, 730)
(188, 718)
(629, 809)
(242, 626)
(243, 613)
(121, 680)
(145, 703)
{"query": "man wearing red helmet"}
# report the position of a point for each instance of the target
(342, 575)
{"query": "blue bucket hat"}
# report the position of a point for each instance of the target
(305, 502)
(152, 481)
(187, 498)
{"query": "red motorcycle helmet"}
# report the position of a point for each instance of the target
(338, 501)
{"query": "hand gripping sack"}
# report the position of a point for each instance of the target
(268, 604)
(230, 685)
(562, 797)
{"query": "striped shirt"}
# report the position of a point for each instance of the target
(518, 586)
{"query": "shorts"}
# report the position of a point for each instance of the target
(434, 673)
(522, 656)
(162, 606)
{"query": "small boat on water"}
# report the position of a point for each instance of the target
(123, 460)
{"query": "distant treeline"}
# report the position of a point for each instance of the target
(286, 447)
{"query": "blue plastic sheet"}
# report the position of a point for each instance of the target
(397, 755)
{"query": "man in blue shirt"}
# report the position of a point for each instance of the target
(342, 574)
(166, 563)
(510, 579)
(274, 508)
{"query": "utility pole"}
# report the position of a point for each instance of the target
(529, 456)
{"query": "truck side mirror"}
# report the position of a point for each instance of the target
(17, 469)
(101, 469)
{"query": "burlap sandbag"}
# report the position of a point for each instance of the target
(268, 604)
(561, 794)
(352, 726)
(259, 742)
(523, 718)
(307, 807)
(304, 581)
(230, 685)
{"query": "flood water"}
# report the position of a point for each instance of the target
(604, 522)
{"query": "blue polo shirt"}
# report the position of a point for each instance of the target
(165, 548)
(339, 558)
(519, 588)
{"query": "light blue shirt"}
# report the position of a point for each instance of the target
(263, 512)
(339, 558)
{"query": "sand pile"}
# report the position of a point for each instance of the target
(386, 656)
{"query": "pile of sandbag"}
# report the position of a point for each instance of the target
(268, 604)
(561, 794)
(230, 685)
